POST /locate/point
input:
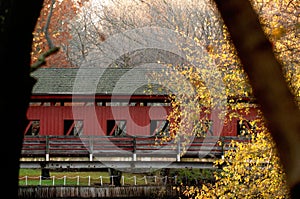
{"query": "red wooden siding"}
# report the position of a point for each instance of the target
(95, 118)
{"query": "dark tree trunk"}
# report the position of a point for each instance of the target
(265, 74)
(17, 22)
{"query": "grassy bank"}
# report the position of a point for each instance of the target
(101, 177)
(33, 177)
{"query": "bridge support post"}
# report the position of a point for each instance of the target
(45, 172)
(134, 149)
(47, 148)
(115, 176)
(134, 157)
(178, 151)
(47, 157)
(178, 157)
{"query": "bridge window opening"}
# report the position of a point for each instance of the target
(158, 104)
(73, 127)
(33, 128)
(203, 128)
(159, 127)
(35, 104)
(90, 104)
(245, 127)
(100, 103)
(116, 103)
(136, 103)
(116, 127)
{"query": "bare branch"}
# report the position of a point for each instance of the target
(45, 29)
(42, 59)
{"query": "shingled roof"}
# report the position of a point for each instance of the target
(95, 81)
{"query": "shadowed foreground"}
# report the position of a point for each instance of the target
(76, 192)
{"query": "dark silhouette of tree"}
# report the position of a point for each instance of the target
(270, 88)
(17, 22)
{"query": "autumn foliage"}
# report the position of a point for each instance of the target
(52, 29)
(249, 170)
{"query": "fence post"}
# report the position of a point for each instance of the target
(112, 180)
(77, 180)
(40, 183)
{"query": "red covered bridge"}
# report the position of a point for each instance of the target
(104, 114)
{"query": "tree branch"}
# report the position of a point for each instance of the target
(42, 59)
(45, 29)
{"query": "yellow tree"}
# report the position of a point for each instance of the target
(277, 101)
(254, 170)
(248, 170)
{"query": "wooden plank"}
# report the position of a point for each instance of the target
(72, 145)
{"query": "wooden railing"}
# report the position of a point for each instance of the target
(108, 146)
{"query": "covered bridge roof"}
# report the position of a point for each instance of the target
(106, 81)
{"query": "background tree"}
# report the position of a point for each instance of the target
(53, 30)
(98, 21)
